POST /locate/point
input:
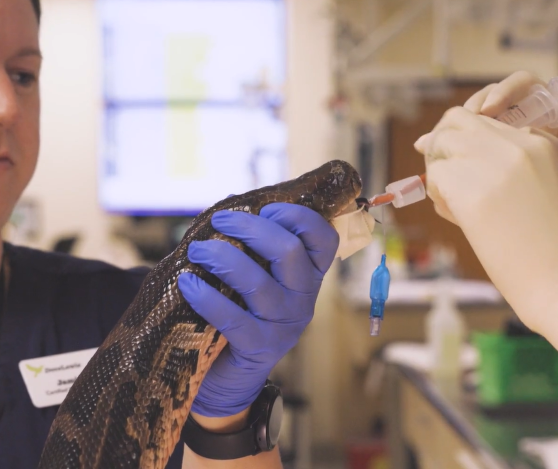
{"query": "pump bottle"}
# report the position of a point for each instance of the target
(445, 332)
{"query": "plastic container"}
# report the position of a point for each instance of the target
(445, 331)
(516, 370)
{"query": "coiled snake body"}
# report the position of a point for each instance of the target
(127, 408)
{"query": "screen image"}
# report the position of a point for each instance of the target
(192, 94)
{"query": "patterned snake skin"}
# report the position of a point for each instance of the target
(127, 408)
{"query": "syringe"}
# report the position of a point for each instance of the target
(539, 109)
(399, 193)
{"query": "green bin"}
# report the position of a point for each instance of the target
(516, 369)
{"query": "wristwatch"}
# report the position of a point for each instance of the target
(261, 433)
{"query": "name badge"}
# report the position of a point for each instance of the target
(48, 379)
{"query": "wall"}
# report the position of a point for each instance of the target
(312, 142)
(474, 48)
(65, 181)
(475, 52)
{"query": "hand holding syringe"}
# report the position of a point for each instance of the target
(539, 109)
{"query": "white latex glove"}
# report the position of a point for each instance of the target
(496, 98)
(500, 185)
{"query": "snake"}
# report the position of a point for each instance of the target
(127, 408)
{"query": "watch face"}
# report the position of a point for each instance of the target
(275, 421)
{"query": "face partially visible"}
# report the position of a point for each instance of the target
(20, 64)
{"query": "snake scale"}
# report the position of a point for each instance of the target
(127, 408)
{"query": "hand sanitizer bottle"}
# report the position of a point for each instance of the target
(445, 332)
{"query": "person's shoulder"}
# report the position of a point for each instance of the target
(58, 264)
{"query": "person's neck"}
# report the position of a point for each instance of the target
(1, 250)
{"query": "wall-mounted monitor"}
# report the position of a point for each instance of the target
(192, 91)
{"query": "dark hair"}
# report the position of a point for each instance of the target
(37, 8)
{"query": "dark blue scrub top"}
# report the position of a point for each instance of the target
(54, 304)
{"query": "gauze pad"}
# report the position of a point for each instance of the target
(355, 232)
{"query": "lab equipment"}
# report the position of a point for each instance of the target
(539, 109)
(379, 291)
(279, 306)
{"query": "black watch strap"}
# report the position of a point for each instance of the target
(260, 434)
(220, 446)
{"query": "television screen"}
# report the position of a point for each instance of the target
(192, 94)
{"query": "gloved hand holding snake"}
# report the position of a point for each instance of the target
(280, 303)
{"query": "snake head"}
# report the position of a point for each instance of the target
(329, 189)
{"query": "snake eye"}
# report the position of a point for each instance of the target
(306, 200)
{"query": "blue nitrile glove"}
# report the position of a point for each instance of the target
(301, 246)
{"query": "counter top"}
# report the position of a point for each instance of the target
(421, 292)
(493, 436)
